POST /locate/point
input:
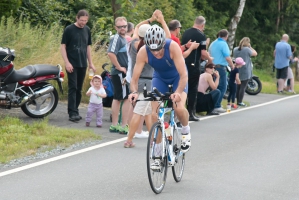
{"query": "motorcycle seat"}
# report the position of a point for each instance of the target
(20, 75)
(45, 69)
(31, 71)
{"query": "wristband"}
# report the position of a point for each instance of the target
(185, 47)
(149, 21)
(134, 93)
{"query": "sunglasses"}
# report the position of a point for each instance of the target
(119, 27)
(211, 67)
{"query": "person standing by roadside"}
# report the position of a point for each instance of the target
(245, 51)
(283, 55)
(234, 80)
(195, 34)
(175, 28)
(290, 78)
(221, 54)
(130, 31)
(75, 50)
(117, 54)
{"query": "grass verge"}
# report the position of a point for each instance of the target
(18, 139)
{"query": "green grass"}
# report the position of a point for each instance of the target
(269, 81)
(18, 139)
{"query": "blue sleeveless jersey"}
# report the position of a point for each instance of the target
(165, 71)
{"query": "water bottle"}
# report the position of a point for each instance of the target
(228, 107)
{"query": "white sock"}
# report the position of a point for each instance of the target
(158, 150)
(185, 129)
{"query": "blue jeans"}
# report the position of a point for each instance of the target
(222, 84)
(215, 96)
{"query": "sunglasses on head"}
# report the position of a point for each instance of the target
(119, 27)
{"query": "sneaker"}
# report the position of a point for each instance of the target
(234, 106)
(123, 130)
(213, 113)
(129, 144)
(114, 129)
(87, 123)
(156, 166)
(241, 104)
(186, 142)
(219, 110)
(143, 134)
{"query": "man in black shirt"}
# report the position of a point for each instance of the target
(75, 49)
(195, 34)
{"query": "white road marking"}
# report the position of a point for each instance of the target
(60, 157)
(123, 139)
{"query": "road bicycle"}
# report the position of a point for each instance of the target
(164, 145)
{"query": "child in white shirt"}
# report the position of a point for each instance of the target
(96, 93)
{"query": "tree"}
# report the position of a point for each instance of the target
(8, 7)
(234, 23)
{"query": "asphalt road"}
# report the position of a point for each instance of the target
(251, 153)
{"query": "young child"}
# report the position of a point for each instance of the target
(96, 93)
(233, 81)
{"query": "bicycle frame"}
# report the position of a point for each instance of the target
(162, 111)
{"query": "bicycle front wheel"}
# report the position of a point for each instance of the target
(178, 168)
(156, 158)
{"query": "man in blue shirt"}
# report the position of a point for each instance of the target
(283, 55)
(220, 52)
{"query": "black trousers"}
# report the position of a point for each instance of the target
(193, 78)
(75, 83)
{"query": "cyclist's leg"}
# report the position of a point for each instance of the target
(183, 115)
(163, 88)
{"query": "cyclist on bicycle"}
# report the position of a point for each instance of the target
(165, 56)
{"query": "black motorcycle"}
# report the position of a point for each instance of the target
(254, 85)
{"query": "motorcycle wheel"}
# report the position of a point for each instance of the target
(254, 86)
(43, 105)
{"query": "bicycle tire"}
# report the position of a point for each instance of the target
(157, 178)
(179, 165)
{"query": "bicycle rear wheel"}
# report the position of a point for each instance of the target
(155, 149)
(178, 168)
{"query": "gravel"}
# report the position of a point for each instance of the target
(47, 154)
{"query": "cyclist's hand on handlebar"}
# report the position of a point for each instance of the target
(132, 98)
(175, 97)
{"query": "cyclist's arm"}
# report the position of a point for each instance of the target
(141, 59)
(176, 55)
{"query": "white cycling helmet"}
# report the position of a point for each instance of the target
(155, 38)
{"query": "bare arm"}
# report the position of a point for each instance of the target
(213, 85)
(238, 79)
(193, 46)
(176, 55)
(230, 62)
(139, 65)
(68, 66)
(114, 61)
(89, 58)
(206, 56)
(160, 19)
(253, 52)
